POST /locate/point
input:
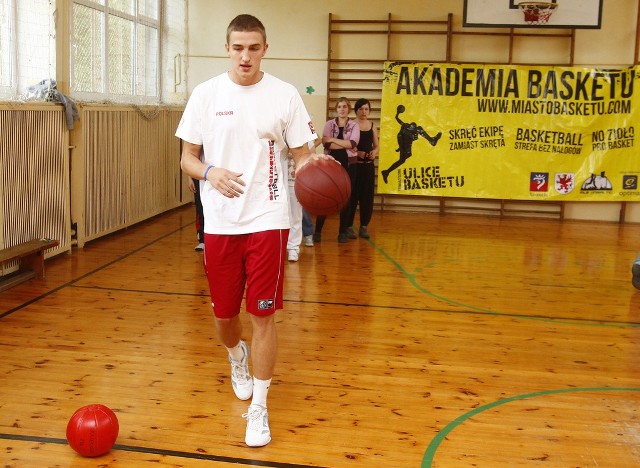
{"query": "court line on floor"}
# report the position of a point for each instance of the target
(562, 321)
(444, 432)
(188, 455)
(89, 273)
(162, 452)
(463, 310)
(412, 280)
(140, 291)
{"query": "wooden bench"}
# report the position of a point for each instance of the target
(30, 254)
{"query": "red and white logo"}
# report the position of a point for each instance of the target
(565, 182)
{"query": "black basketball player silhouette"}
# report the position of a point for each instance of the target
(409, 132)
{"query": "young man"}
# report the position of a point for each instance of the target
(243, 119)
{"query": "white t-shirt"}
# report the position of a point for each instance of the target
(245, 129)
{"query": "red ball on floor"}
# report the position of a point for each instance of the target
(92, 430)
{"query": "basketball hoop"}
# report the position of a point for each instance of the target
(537, 12)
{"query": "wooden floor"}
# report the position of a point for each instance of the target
(444, 341)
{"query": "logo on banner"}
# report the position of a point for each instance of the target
(597, 182)
(539, 182)
(630, 182)
(565, 182)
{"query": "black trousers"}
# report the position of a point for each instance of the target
(199, 212)
(362, 191)
(346, 216)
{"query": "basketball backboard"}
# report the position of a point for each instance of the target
(567, 14)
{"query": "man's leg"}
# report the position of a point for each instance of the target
(225, 274)
(229, 331)
(230, 334)
(264, 345)
(265, 275)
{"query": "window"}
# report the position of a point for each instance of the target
(115, 50)
(5, 45)
(27, 45)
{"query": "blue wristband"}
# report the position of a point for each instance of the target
(206, 171)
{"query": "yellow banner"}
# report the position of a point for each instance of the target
(509, 132)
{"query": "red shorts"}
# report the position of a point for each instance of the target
(253, 261)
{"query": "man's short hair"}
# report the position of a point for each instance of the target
(245, 23)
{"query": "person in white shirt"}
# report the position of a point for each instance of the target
(243, 120)
(301, 223)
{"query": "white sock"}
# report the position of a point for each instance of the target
(260, 390)
(236, 353)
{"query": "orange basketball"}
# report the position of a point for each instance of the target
(92, 430)
(322, 187)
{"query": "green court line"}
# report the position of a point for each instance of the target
(564, 321)
(437, 440)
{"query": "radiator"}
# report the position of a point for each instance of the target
(34, 176)
(130, 160)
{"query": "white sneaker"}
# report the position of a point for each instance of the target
(240, 378)
(308, 240)
(293, 255)
(258, 432)
(199, 247)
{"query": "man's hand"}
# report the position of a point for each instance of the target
(226, 182)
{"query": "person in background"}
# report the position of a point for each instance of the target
(363, 187)
(635, 272)
(340, 139)
(307, 228)
(194, 186)
(295, 213)
(243, 119)
(299, 227)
